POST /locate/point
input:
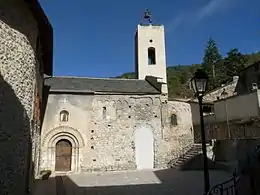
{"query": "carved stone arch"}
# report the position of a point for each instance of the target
(49, 146)
(66, 132)
(71, 138)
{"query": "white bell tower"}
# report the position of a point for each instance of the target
(150, 57)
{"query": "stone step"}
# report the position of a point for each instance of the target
(193, 151)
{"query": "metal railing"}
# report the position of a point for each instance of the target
(229, 187)
(241, 183)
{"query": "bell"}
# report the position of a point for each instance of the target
(147, 14)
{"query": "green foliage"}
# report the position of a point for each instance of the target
(178, 76)
(252, 58)
(128, 75)
(234, 62)
(212, 63)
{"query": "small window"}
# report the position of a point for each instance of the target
(104, 112)
(64, 116)
(207, 109)
(151, 56)
(174, 120)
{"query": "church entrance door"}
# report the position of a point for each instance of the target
(144, 148)
(63, 156)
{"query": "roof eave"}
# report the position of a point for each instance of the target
(85, 92)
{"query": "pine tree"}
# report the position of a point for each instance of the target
(234, 62)
(211, 63)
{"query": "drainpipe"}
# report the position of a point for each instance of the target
(227, 120)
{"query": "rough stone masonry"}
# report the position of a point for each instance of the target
(20, 81)
(101, 129)
(105, 124)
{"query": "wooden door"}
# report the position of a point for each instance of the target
(63, 156)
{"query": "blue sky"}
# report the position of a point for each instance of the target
(95, 38)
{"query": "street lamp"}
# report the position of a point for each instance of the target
(199, 84)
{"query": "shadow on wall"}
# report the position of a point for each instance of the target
(15, 143)
(168, 181)
(10, 13)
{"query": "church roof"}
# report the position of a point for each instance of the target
(102, 85)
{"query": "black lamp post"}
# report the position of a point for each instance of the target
(199, 85)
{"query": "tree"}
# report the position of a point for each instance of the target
(234, 62)
(211, 63)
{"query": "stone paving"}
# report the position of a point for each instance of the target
(155, 182)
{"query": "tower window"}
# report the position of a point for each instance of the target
(174, 120)
(151, 56)
(64, 116)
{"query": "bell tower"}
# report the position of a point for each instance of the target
(150, 57)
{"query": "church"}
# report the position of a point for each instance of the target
(109, 124)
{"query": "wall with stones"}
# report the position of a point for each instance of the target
(18, 34)
(234, 129)
(229, 90)
(103, 128)
(178, 129)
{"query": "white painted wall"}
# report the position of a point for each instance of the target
(144, 35)
(195, 113)
(237, 107)
(144, 148)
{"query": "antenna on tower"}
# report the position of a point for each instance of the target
(147, 17)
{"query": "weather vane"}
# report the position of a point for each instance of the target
(147, 16)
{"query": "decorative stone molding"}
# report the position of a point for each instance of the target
(49, 147)
(63, 132)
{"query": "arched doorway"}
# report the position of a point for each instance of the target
(144, 148)
(63, 155)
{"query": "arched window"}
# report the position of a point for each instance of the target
(174, 120)
(64, 116)
(151, 56)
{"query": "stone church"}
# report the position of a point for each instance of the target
(107, 124)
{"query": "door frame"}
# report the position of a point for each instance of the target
(70, 156)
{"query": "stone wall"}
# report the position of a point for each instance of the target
(222, 92)
(104, 126)
(233, 129)
(18, 34)
(179, 133)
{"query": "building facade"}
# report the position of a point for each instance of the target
(249, 79)
(235, 118)
(101, 124)
(25, 55)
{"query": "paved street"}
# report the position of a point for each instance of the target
(155, 182)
